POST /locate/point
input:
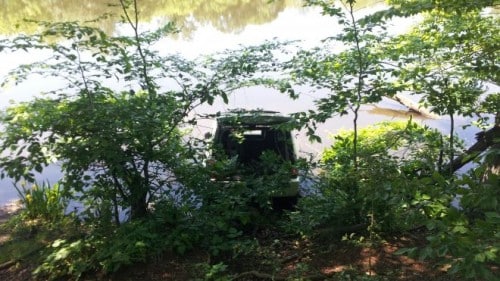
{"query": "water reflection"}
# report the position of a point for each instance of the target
(228, 16)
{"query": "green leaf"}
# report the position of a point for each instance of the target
(224, 97)
(493, 217)
(38, 168)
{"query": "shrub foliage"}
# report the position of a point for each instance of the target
(123, 146)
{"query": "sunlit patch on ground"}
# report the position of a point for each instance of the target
(6, 211)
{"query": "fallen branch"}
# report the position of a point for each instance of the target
(260, 275)
(10, 263)
(290, 258)
(484, 141)
(6, 265)
(255, 273)
(340, 230)
(413, 106)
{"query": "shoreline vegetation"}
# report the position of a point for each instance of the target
(321, 259)
(381, 205)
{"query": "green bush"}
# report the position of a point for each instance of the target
(215, 272)
(219, 214)
(66, 258)
(394, 158)
(212, 216)
(466, 236)
(133, 242)
(105, 250)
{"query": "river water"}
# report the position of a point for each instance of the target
(207, 30)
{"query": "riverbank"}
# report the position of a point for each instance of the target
(10, 269)
(9, 209)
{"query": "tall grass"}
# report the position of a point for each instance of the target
(43, 201)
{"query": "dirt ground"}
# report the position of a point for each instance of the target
(10, 271)
(302, 261)
(6, 211)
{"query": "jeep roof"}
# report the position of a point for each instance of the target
(249, 118)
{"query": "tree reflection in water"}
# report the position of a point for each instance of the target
(229, 16)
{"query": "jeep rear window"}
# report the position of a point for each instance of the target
(255, 142)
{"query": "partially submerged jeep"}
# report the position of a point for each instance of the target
(252, 137)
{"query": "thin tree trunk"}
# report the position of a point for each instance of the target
(452, 140)
(493, 160)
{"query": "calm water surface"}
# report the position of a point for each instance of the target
(207, 28)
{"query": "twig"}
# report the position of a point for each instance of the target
(10, 263)
(337, 230)
(291, 258)
(260, 275)
(6, 265)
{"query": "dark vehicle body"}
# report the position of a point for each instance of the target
(250, 137)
